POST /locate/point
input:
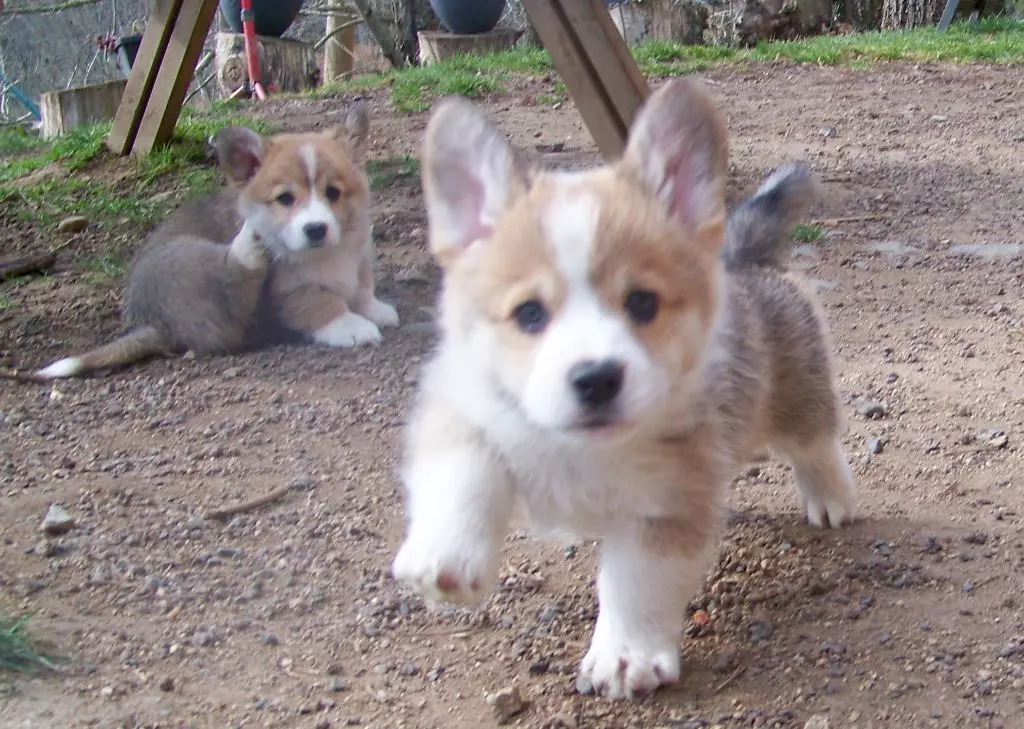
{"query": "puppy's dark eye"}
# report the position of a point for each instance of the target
(531, 316)
(332, 193)
(642, 306)
(286, 199)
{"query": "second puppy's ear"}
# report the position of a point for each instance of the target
(240, 153)
(355, 130)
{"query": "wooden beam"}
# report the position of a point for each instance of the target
(174, 74)
(140, 81)
(596, 65)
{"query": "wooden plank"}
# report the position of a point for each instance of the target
(176, 69)
(143, 75)
(557, 36)
(609, 56)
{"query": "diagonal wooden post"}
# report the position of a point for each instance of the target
(596, 65)
(140, 81)
(175, 74)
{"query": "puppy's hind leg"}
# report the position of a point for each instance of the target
(824, 480)
(325, 317)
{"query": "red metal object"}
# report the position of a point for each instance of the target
(251, 53)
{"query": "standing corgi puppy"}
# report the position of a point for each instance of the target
(298, 256)
(612, 352)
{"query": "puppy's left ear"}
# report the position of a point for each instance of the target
(679, 150)
(355, 130)
(240, 153)
(470, 176)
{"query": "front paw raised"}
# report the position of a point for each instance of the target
(617, 668)
(443, 568)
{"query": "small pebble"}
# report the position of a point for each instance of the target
(57, 521)
(506, 704)
(73, 224)
(167, 684)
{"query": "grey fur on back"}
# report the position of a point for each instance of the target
(213, 217)
(779, 352)
(758, 231)
(188, 291)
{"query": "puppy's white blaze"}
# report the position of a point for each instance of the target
(569, 225)
(67, 367)
(314, 211)
(308, 154)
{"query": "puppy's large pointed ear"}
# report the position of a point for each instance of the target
(240, 153)
(470, 175)
(355, 130)
(678, 148)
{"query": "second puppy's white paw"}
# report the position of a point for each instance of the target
(380, 313)
(348, 330)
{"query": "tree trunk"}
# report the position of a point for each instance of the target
(907, 14)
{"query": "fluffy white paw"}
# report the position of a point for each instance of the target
(381, 314)
(443, 568)
(617, 668)
(348, 330)
(831, 510)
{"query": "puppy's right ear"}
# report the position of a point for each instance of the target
(470, 175)
(240, 153)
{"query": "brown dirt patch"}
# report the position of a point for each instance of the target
(287, 616)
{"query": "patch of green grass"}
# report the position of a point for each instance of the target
(414, 89)
(995, 40)
(73, 151)
(105, 269)
(18, 140)
(383, 173)
(6, 302)
(20, 652)
(805, 233)
(47, 202)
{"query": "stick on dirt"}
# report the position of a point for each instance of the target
(12, 267)
(226, 512)
(832, 222)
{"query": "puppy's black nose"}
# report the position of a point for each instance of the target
(597, 383)
(315, 233)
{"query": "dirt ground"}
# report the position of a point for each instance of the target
(287, 616)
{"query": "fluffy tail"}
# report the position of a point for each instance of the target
(759, 230)
(141, 342)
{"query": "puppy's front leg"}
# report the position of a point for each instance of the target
(365, 302)
(648, 573)
(459, 501)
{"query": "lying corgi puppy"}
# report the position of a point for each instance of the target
(610, 357)
(298, 259)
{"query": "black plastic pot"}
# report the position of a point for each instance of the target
(127, 47)
(271, 17)
(468, 17)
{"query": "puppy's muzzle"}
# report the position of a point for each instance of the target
(596, 385)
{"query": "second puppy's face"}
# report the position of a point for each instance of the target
(300, 192)
(582, 298)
